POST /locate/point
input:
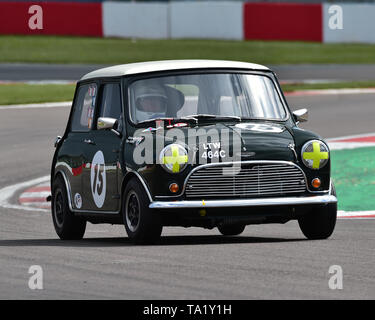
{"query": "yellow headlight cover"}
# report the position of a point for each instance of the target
(174, 158)
(315, 154)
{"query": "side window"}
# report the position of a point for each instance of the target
(83, 112)
(111, 101)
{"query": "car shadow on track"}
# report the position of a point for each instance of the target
(164, 241)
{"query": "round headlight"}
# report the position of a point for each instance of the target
(174, 158)
(315, 154)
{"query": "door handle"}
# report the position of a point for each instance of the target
(88, 141)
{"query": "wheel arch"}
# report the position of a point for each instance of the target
(62, 174)
(132, 174)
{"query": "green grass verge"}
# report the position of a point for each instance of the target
(353, 172)
(30, 93)
(50, 49)
(18, 93)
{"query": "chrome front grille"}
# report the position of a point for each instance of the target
(251, 180)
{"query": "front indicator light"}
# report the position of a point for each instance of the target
(173, 187)
(316, 183)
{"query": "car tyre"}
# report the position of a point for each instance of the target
(142, 224)
(231, 230)
(67, 226)
(320, 222)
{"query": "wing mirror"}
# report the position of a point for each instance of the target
(58, 138)
(301, 115)
(106, 123)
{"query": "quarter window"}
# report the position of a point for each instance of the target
(111, 101)
(84, 106)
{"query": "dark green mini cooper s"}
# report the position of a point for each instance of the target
(188, 143)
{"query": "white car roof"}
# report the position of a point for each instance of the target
(152, 66)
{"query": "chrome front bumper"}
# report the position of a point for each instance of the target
(286, 201)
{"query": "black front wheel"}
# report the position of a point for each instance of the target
(142, 224)
(231, 230)
(320, 222)
(67, 226)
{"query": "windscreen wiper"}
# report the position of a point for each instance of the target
(166, 121)
(210, 117)
(154, 120)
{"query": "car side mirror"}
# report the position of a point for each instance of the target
(58, 138)
(106, 123)
(301, 115)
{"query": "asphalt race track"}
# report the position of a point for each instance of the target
(266, 261)
(73, 72)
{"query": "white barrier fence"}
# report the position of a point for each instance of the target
(357, 23)
(340, 22)
(213, 20)
(210, 20)
(139, 20)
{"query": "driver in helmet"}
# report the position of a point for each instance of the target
(151, 102)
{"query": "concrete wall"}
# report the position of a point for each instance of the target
(358, 23)
(211, 20)
(233, 20)
(140, 20)
(283, 21)
(58, 18)
(220, 20)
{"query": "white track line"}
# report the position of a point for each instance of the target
(351, 137)
(37, 105)
(349, 145)
(320, 92)
(339, 143)
(356, 214)
(8, 192)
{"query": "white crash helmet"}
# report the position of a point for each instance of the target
(151, 102)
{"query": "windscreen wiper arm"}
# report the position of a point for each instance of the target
(154, 120)
(167, 121)
(210, 116)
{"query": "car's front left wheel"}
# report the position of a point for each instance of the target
(67, 226)
(320, 222)
(142, 224)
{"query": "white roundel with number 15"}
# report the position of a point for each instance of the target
(98, 179)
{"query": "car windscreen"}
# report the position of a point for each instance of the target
(248, 96)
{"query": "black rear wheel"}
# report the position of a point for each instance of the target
(142, 224)
(67, 226)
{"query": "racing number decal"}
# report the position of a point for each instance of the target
(98, 179)
(97, 185)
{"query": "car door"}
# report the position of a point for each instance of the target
(100, 180)
(71, 155)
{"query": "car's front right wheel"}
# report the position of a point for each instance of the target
(142, 224)
(231, 230)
